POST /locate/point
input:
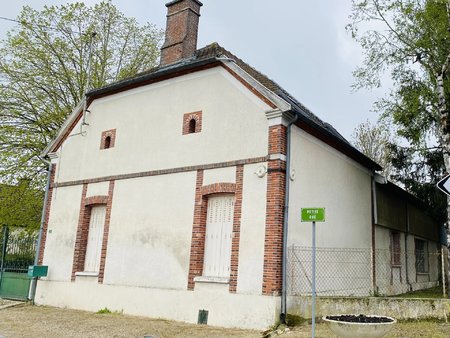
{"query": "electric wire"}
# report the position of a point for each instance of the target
(24, 23)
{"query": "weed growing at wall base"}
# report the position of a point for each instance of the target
(107, 311)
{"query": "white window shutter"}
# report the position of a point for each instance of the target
(95, 239)
(219, 230)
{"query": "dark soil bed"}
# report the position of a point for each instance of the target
(360, 319)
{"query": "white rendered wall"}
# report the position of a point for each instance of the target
(402, 283)
(225, 309)
(98, 189)
(149, 120)
(148, 252)
(385, 272)
(150, 231)
(61, 232)
(252, 236)
(223, 175)
(326, 178)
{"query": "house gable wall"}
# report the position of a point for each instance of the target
(148, 122)
(154, 168)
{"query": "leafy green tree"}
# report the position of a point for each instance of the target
(419, 172)
(20, 205)
(44, 65)
(410, 39)
(374, 141)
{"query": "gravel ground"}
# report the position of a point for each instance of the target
(43, 321)
(48, 322)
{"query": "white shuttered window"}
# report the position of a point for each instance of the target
(95, 239)
(219, 230)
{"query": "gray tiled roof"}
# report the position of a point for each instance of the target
(214, 52)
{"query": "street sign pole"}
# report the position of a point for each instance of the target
(313, 215)
(313, 310)
(444, 186)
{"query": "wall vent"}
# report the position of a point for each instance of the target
(202, 317)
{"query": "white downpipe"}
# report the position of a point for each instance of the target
(41, 230)
(285, 223)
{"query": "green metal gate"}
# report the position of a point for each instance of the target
(17, 253)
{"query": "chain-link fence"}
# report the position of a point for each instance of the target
(363, 272)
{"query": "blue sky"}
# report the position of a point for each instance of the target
(302, 45)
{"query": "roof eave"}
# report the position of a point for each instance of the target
(65, 128)
(170, 71)
(336, 142)
(279, 102)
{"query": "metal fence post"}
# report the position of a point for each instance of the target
(3, 253)
(444, 293)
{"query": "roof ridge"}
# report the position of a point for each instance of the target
(241, 63)
(216, 50)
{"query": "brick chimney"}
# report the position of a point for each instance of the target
(181, 31)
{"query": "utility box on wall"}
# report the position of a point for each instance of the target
(37, 270)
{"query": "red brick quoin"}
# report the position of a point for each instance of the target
(236, 228)
(199, 225)
(277, 139)
(83, 230)
(198, 233)
(276, 184)
(82, 235)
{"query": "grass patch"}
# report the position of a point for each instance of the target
(106, 311)
(422, 320)
(435, 292)
(294, 320)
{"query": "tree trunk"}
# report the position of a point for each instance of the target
(444, 131)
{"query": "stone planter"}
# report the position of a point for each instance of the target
(362, 326)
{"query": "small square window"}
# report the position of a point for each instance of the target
(421, 252)
(108, 139)
(192, 123)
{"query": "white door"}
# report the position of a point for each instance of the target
(95, 239)
(219, 230)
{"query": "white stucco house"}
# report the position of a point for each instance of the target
(167, 195)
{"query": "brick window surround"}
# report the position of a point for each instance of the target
(83, 228)
(199, 225)
(108, 139)
(192, 121)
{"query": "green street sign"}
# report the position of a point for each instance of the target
(313, 214)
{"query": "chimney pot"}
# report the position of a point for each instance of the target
(181, 31)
